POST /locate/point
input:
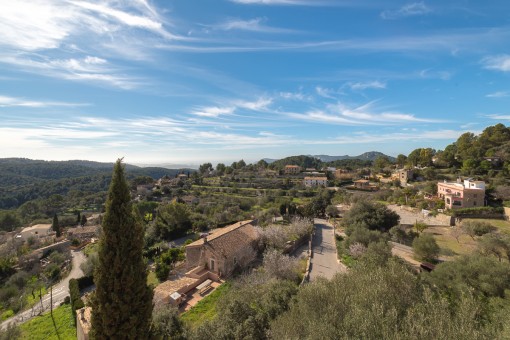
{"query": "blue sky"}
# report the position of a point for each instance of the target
(185, 82)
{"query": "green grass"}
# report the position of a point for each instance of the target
(42, 327)
(152, 280)
(30, 300)
(7, 314)
(205, 309)
(90, 248)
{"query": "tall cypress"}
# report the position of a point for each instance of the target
(122, 304)
(55, 226)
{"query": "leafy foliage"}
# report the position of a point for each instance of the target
(425, 247)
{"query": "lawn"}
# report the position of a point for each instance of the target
(449, 245)
(43, 327)
(205, 309)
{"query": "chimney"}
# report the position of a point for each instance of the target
(459, 180)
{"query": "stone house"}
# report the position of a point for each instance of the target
(292, 169)
(224, 249)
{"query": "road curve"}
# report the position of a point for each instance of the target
(60, 291)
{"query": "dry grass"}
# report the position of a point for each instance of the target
(449, 245)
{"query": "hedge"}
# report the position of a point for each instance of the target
(76, 301)
(477, 211)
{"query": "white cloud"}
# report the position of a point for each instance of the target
(253, 25)
(6, 101)
(498, 94)
(213, 111)
(64, 36)
(497, 63)
(412, 9)
(367, 114)
(499, 117)
(299, 96)
(89, 68)
(277, 2)
(325, 93)
(258, 105)
(367, 85)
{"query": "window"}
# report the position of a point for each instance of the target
(211, 264)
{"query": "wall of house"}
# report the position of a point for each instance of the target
(507, 213)
(193, 257)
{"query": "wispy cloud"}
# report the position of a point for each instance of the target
(70, 39)
(499, 117)
(6, 101)
(260, 104)
(278, 2)
(497, 63)
(412, 9)
(367, 85)
(252, 25)
(213, 111)
(498, 94)
(89, 68)
(366, 114)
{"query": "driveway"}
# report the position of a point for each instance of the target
(60, 291)
(409, 217)
(324, 261)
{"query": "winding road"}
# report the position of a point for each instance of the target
(60, 291)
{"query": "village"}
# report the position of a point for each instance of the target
(211, 257)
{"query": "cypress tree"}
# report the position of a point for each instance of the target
(122, 304)
(55, 226)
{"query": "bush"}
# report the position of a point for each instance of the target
(425, 247)
(477, 211)
(76, 301)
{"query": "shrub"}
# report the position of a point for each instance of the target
(425, 247)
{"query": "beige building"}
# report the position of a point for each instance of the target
(316, 181)
(467, 194)
(292, 169)
(224, 249)
(403, 175)
(344, 174)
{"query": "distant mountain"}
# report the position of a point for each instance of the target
(370, 156)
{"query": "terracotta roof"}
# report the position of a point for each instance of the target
(316, 178)
(170, 286)
(83, 230)
(292, 166)
(219, 232)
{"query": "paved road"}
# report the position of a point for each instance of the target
(324, 260)
(60, 291)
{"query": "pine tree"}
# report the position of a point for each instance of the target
(78, 218)
(122, 305)
(55, 226)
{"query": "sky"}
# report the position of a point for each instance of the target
(188, 82)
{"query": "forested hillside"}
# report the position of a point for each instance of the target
(23, 180)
